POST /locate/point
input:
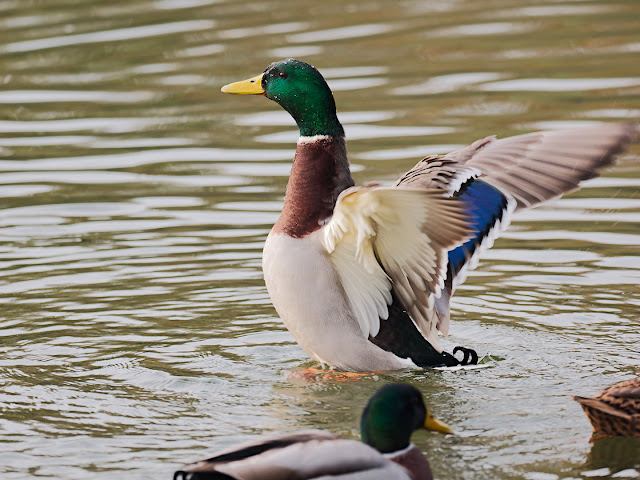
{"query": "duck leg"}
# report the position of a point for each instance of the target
(399, 335)
(470, 355)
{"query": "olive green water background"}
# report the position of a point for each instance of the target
(136, 331)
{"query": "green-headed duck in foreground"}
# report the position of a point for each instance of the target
(393, 413)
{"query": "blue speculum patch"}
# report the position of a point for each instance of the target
(486, 205)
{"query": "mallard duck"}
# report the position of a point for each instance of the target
(362, 276)
(614, 411)
(391, 416)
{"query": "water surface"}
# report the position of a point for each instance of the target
(137, 333)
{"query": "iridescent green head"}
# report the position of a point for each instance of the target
(301, 90)
(392, 415)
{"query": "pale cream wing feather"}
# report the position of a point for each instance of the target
(367, 290)
(398, 234)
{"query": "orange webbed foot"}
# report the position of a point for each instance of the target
(327, 375)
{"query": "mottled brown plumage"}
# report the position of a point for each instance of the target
(615, 411)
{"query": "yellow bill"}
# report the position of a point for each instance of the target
(251, 86)
(436, 425)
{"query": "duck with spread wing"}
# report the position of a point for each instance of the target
(362, 276)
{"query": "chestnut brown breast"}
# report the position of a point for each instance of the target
(414, 462)
(319, 173)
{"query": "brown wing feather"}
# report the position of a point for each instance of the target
(629, 389)
(435, 172)
(616, 410)
(603, 407)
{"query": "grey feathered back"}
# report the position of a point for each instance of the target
(306, 455)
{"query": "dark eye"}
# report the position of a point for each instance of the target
(282, 74)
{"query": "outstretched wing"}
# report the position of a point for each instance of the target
(494, 177)
(539, 166)
(381, 238)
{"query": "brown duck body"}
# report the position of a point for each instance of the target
(614, 411)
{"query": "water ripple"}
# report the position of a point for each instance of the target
(56, 96)
(296, 51)
(146, 157)
(480, 29)
(551, 11)
(108, 125)
(40, 141)
(355, 31)
(265, 30)
(559, 84)
(447, 83)
(97, 177)
(118, 34)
